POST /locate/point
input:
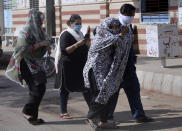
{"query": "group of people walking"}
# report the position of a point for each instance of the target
(98, 69)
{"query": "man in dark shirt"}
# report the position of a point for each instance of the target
(130, 82)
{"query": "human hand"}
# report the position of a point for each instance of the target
(48, 49)
(44, 43)
(81, 42)
(88, 40)
(124, 31)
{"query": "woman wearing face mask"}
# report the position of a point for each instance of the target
(74, 50)
(104, 69)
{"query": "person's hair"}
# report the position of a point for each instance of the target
(73, 18)
(127, 9)
(94, 31)
(114, 22)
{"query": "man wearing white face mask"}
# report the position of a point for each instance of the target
(126, 20)
(130, 82)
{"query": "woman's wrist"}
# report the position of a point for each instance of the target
(121, 35)
(40, 44)
(75, 45)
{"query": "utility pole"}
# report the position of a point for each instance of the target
(50, 18)
(1, 17)
(60, 16)
(107, 7)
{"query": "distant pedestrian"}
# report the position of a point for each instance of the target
(25, 64)
(73, 48)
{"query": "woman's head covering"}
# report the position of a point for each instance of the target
(108, 23)
(107, 57)
(30, 34)
(105, 36)
(34, 24)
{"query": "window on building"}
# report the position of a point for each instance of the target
(34, 4)
(8, 5)
(154, 11)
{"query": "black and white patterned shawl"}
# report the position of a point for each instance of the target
(107, 56)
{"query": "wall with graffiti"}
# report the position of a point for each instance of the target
(162, 40)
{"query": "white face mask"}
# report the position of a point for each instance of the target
(125, 20)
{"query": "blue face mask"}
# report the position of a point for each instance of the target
(77, 27)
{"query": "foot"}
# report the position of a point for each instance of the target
(143, 119)
(65, 116)
(92, 123)
(27, 116)
(33, 121)
(106, 125)
(93, 120)
(113, 122)
(37, 122)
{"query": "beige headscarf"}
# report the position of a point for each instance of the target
(30, 34)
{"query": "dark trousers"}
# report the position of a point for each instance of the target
(96, 109)
(131, 87)
(64, 94)
(36, 93)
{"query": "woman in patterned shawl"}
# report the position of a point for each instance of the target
(25, 63)
(105, 66)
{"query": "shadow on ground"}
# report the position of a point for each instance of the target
(174, 67)
(127, 124)
(168, 120)
(12, 95)
(164, 118)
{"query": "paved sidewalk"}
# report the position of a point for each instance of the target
(165, 80)
(165, 109)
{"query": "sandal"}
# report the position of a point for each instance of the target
(65, 116)
(34, 121)
(92, 124)
(113, 122)
(144, 119)
(40, 121)
(37, 122)
(29, 118)
(108, 126)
